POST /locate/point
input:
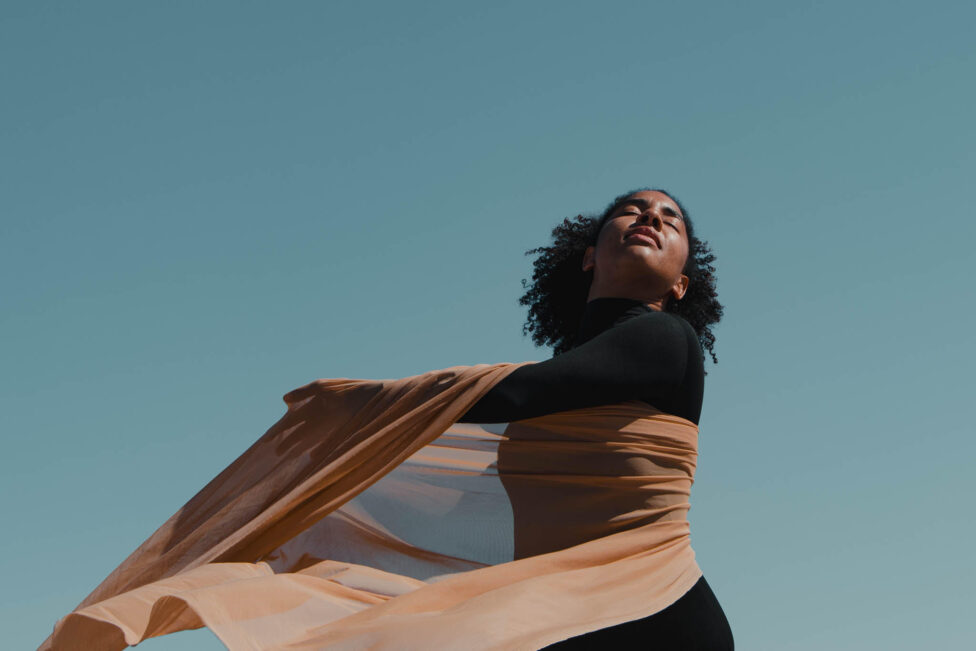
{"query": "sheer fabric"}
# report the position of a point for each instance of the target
(367, 517)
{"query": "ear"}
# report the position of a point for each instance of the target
(589, 258)
(680, 287)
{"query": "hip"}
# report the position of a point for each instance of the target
(695, 622)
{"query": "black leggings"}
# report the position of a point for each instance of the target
(695, 622)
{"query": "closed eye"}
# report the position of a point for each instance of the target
(635, 212)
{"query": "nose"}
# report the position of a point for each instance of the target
(652, 218)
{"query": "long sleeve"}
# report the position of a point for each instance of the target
(654, 357)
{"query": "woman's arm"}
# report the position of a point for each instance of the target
(643, 358)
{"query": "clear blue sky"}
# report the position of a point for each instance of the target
(206, 205)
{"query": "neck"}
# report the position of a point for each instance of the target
(605, 312)
(655, 303)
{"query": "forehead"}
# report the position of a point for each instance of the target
(652, 196)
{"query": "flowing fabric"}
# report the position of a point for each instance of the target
(367, 517)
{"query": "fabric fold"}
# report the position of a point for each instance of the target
(367, 517)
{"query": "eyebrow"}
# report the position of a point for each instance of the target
(645, 203)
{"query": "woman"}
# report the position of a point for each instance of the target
(626, 301)
(367, 517)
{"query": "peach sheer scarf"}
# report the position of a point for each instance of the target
(367, 517)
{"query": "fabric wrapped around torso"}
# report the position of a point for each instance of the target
(367, 517)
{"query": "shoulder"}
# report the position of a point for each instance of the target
(664, 332)
(662, 325)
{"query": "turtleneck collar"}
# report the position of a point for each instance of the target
(603, 313)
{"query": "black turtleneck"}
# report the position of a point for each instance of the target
(623, 350)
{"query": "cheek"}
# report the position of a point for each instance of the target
(606, 243)
(610, 231)
(681, 260)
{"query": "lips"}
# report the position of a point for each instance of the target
(644, 234)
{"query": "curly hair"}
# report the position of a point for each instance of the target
(557, 296)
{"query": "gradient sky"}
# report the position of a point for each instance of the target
(206, 205)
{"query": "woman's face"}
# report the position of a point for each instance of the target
(641, 251)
